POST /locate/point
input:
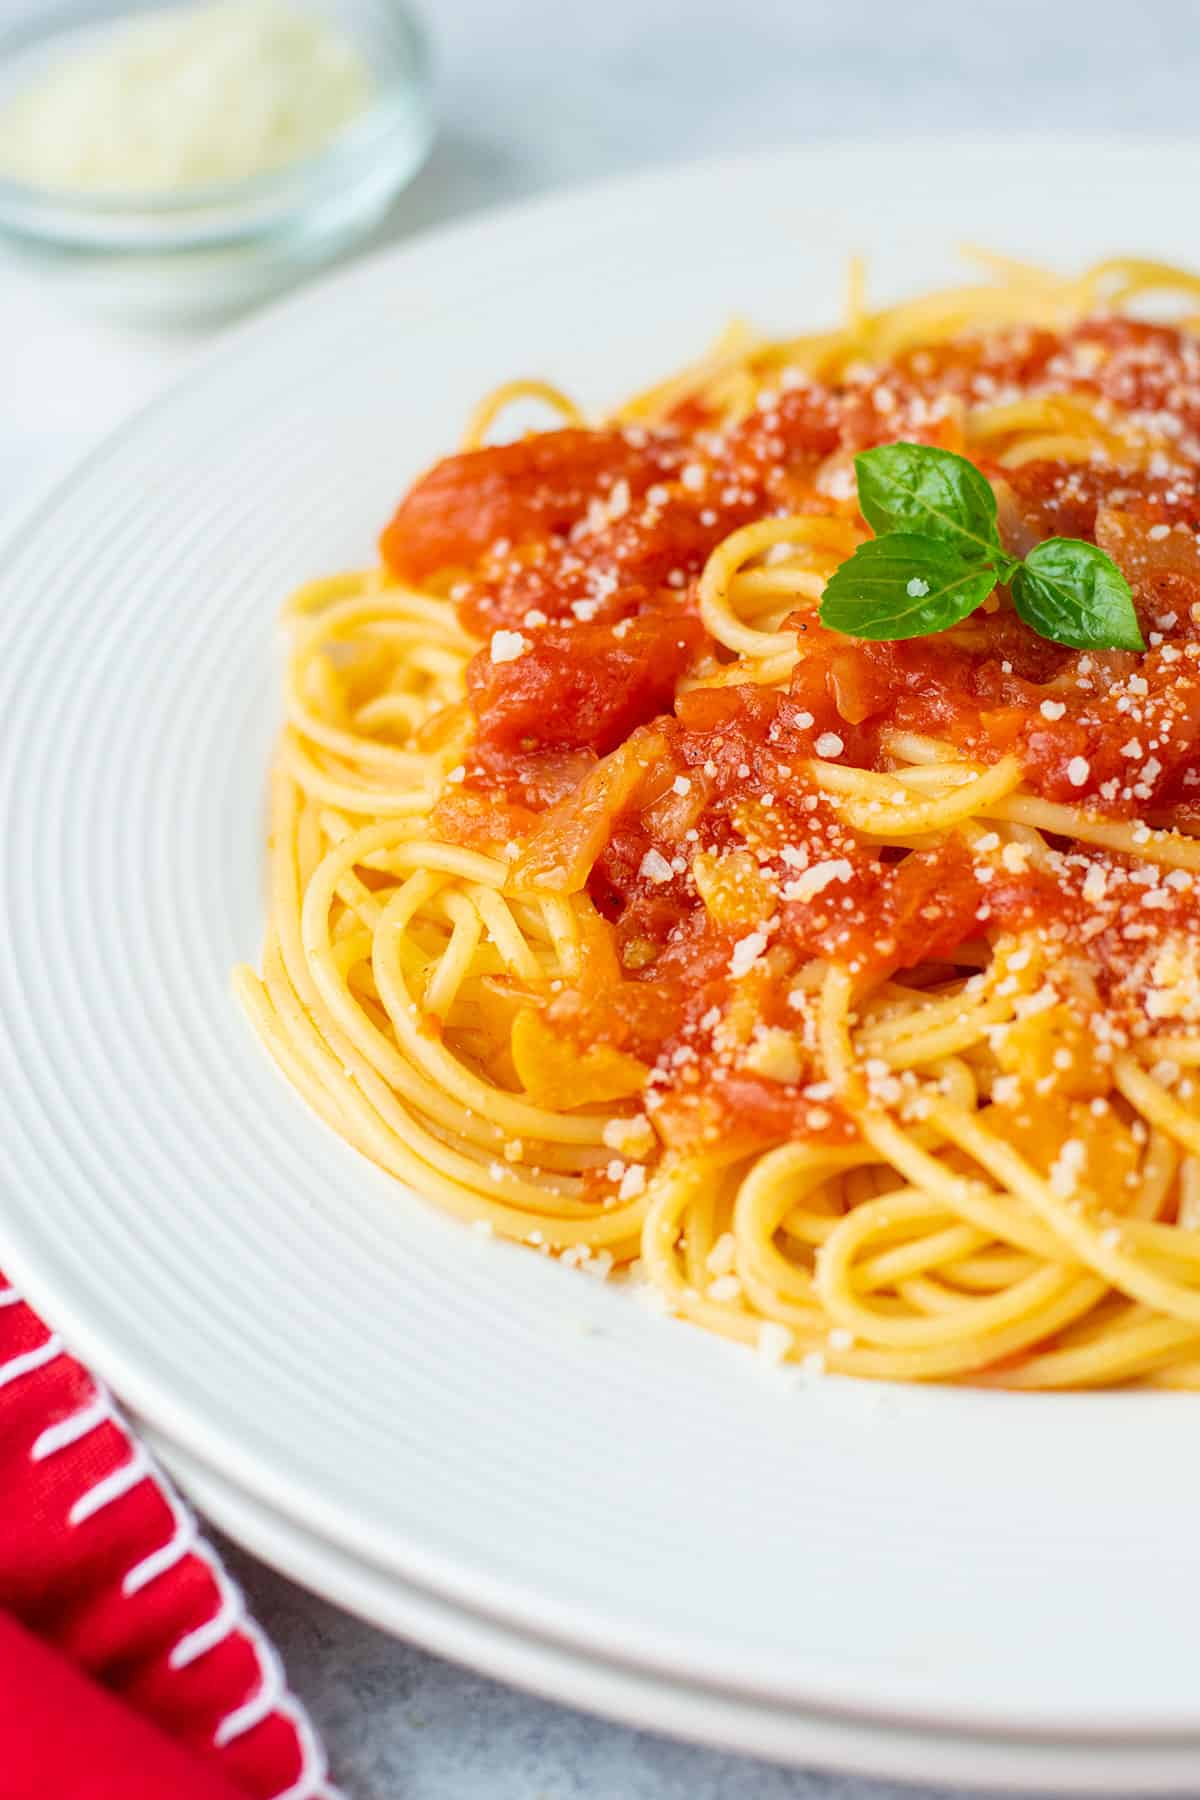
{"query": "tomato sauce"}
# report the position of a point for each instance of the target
(575, 555)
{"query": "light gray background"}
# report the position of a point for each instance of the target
(534, 94)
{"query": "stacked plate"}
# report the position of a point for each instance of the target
(503, 1458)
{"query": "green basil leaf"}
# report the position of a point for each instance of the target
(1071, 592)
(903, 586)
(915, 487)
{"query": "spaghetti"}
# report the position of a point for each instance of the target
(848, 993)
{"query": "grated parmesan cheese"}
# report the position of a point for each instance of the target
(1095, 885)
(1067, 1167)
(746, 953)
(774, 1342)
(506, 646)
(723, 1255)
(654, 867)
(194, 97)
(633, 1182)
(815, 880)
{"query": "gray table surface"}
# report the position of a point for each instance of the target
(534, 94)
(402, 1725)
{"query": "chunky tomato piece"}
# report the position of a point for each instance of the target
(929, 905)
(467, 503)
(584, 689)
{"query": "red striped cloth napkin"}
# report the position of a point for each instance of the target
(129, 1666)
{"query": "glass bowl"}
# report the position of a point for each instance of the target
(205, 251)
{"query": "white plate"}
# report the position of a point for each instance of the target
(502, 1432)
(784, 1733)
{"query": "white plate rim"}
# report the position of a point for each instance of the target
(138, 1384)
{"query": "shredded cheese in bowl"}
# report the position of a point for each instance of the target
(191, 97)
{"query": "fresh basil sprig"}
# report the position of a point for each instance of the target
(936, 555)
